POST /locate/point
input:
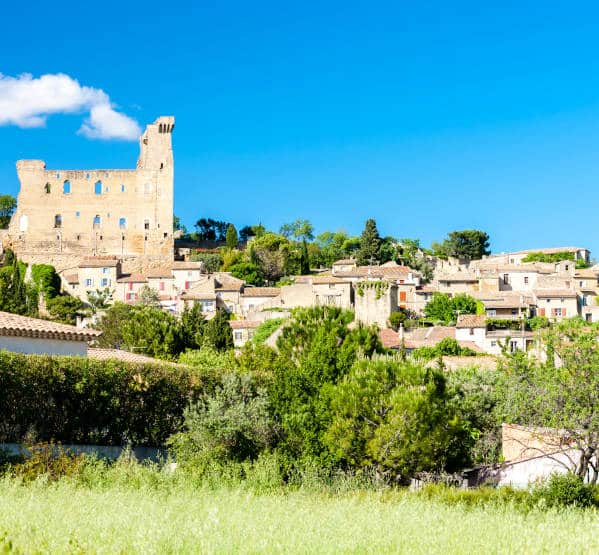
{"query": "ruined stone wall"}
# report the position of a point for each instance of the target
(65, 215)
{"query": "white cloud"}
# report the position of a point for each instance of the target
(26, 101)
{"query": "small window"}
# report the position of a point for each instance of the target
(105, 282)
(187, 284)
(122, 223)
(48, 188)
(238, 336)
(98, 188)
(58, 221)
(78, 237)
(89, 282)
(161, 286)
(567, 267)
(526, 280)
(97, 221)
(57, 176)
(122, 188)
(506, 279)
(105, 270)
(493, 343)
(146, 224)
(77, 214)
(87, 176)
(66, 187)
(471, 331)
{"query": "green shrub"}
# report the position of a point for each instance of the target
(49, 460)
(265, 330)
(82, 400)
(563, 490)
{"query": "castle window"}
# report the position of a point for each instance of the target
(87, 176)
(66, 187)
(98, 188)
(77, 213)
(57, 221)
(105, 270)
(122, 188)
(57, 176)
(23, 223)
(97, 221)
(78, 237)
(146, 224)
(47, 188)
(122, 223)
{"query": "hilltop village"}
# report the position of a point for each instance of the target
(110, 232)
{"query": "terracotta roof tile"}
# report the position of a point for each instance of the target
(131, 278)
(71, 278)
(555, 293)
(24, 326)
(261, 292)
(472, 321)
(243, 324)
(93, 262)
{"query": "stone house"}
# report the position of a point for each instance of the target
(345, 265)
(331, 291)
(556, 304)
(252, 298)
(243, 331)
(90, 275)
(128, 287)
(185, 274)
(476, 329)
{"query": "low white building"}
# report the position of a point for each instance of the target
(33, 336)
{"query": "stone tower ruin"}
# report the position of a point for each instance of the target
(64, 215)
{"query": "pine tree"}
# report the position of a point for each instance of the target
(232, 238)
(370, 242)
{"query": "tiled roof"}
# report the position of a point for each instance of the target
(125, 356)
(322, 280)
(72, 278)
(23, 326)
(427, 337)
(226, 282)
(555, 293)
(484, 362)
(472, 321)
(344, 262)
(378, 272)
(131, 278)
(458, 276)
(261, 292)
(389, 338)
(201, 290)
(184, 265)
(243, 324)
(93, 262)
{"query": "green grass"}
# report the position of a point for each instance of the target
(169, 515)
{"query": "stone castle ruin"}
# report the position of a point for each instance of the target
(65, 215)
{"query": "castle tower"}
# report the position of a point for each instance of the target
(69, 214)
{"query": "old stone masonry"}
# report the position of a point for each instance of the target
(65, 215)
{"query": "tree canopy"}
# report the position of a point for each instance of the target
(469, 243)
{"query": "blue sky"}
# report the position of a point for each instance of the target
(428, 117)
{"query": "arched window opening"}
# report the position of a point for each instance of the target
(122, 223)
(23, 223)
(97, 221)
(98, 188)
(47, 188)
(66, 187)
(58, 221)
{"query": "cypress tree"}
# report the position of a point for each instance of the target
(232, 238)
(304, 259)
(370, 243)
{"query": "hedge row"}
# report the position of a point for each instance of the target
(81, 400)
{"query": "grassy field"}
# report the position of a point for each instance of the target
(65, 517)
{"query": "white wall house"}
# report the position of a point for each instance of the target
(21, 334)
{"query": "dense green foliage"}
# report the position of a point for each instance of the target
(543, 257)
(65, 309)
(448, 346)
(469, 243)
(265, 330)
(231, 238)
(152, 331)
(8, 205)
(46, 280)
(81, 400)
(397, 417)
(445, 309)
(212, 260)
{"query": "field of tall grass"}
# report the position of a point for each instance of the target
(150, 511)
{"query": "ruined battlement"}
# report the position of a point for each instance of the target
(121, 212)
